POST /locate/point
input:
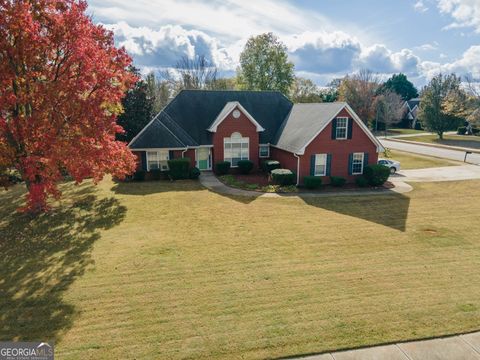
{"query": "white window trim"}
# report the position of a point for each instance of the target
(158, 161)
(324, 166)
(268, 152)
(346, 128)
(353, 159)
(241, 140)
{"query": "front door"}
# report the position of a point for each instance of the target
(203, 158)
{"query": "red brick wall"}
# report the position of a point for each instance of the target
(138, 155)
(190, 153)
(230, 125)
(286, 159)
(340, 150)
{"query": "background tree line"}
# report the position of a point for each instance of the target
(264, 65)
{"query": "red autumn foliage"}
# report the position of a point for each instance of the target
(61, 83)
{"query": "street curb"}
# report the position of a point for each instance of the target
(448, 147)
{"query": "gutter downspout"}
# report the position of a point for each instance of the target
(183, 152)
(298, 168)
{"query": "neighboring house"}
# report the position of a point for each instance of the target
(411, 111)
(324, 139)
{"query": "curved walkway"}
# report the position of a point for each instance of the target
(210, 181)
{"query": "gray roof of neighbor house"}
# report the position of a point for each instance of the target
(188, 116)
(412, 102)
(304, 122)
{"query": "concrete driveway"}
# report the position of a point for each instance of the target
(448, 173)
(431, 151)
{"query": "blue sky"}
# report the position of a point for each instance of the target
(325, 38)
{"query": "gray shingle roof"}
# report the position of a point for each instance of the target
(193, 111)
(304, 122)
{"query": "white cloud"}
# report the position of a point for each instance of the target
(232, 19)
(468, 64)
(419, 6)
(427, 47)
(466, 13)
(164, 47)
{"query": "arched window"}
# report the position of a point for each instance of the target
(235, 148)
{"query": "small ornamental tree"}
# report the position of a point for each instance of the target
(61, 84)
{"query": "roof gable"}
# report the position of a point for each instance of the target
(229, 107)
(306, 121)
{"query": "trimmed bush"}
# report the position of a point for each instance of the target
(337, 181)
(245, 166)
(194, 173)
(283, 177)
(179, 168)
(269, 165)
(376, 174)
(156, 174)
(312, 182)
(361, 181)
(139, 175)
(462, 130)
(222, 167)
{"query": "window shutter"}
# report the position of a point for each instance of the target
(329, 164)
(171, 155)
(350, 164)
(350, 128)
(365, 160)
(144, 161)
(312, 165)
(334, 129)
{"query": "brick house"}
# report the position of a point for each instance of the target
(321, 139)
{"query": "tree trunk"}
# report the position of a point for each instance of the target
(440, 135)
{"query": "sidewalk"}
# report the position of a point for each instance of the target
(209, 180)
(459, 347)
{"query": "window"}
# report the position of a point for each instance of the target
(342, 123)
(320, 165)
(264, 151)
(357, 163)
(235, 148)
(157, 160)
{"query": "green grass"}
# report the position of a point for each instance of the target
(451, 140)
(161, 270)
(410, 161)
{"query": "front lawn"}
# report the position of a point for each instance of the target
(161, 270)
(451, 140)
(415, 161)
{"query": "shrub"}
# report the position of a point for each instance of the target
(361, 181)
(376, 174)
(312, 182)
(179, 168)
(337, 181)
(222, 167)
(156, 174)
(194, 173)
(462, 130)
(283, 177)
(269, 165)
(139, 175)
(245, 166)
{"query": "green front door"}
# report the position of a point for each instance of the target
(203, 158)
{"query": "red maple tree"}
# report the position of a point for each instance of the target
(61, 83)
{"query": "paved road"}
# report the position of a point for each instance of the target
(447, 173)
(431, 151)
(462, 347)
